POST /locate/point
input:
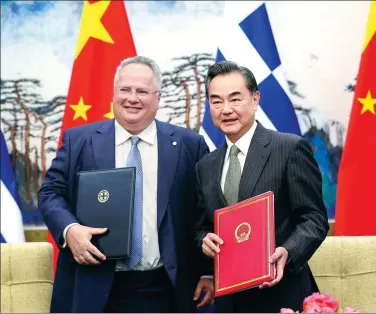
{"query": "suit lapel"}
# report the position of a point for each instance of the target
(257, 156)
(215, 172)
(169, 148)
(104, 146)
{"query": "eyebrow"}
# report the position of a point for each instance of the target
(126, 86)
(236, 93)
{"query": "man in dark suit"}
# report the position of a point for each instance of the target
(255, 160)
(166, 275)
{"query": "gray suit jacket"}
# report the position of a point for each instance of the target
(282, 163)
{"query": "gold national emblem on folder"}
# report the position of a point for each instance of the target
(103, 196)
(242, 232)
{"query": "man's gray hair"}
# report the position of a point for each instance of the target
(142, 60)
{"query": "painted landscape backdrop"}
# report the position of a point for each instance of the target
(38, 43)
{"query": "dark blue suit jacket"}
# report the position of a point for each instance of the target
(82, 288)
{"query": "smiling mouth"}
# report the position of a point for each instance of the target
(228, 121)
(132, 109)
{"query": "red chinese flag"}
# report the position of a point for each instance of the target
(356, 194)
(104, 40)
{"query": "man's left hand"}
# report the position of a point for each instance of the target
(279, 257)
(207, 285)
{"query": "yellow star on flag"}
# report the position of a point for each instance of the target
(91, 25)
(110, 115)
(80, 110)
(368, 103)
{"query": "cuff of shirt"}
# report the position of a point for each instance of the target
(64, 244)
(207, 277)
(288, 257)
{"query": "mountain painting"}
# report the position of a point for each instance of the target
(319, 45)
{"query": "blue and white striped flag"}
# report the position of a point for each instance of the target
(248, 40)
(11, 219)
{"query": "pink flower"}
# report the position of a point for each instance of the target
(349, 309)
(322, 301)
(314, 308)
(327, 310)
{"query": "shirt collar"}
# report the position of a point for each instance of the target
(148, 135)
(244, 141)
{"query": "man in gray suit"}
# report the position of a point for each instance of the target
(252, 161)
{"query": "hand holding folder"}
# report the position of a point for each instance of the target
(211, 244)
(279, 258)
(78, 239)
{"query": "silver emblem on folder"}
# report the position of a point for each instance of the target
(103, 196)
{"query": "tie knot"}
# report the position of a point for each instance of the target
(135, 140)
(234, 151)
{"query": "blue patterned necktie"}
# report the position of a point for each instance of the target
(134, 160)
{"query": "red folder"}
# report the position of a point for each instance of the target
(247, 230)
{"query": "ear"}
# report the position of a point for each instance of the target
(158, 101)
(256, 100)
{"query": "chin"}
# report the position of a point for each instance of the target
(230, 130)
(132, 118)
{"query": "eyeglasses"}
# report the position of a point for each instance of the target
(140, 93)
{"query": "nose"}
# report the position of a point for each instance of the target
(227, 109)
(132, 98)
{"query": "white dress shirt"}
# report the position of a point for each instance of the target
(243, 145)
(148, 147)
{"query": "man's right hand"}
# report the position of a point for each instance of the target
(211, 243)
(78, 239)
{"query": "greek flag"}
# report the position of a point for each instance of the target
(11, 218)
(248, 40)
